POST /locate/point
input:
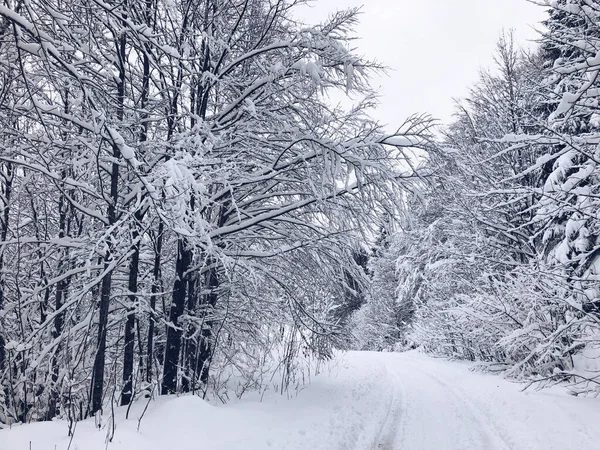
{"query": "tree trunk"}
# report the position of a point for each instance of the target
(188, 382)
(156, 286)
(59, 295)
(6, 194)
(105, 290)
(129, 335)
(173, 345)
(99, 360)
(209, 303)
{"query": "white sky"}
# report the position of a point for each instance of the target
(434, 48)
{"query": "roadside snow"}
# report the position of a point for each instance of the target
(368, 401)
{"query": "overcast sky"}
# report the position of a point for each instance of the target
(434, 48)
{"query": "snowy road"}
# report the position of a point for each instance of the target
(367, 401)
(442, 405)
(430, 412)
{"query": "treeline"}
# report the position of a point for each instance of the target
(498, 260)
(180, 205)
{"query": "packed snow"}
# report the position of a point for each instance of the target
(363, 400)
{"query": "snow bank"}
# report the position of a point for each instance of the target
(340, 409)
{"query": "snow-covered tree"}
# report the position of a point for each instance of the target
(173, 182)
(502, 254)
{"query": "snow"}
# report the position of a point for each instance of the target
(364, 401)
(310, 69)
(401, 141)
(126, 151)
(171, 51)
(32, 48)
(566, 103)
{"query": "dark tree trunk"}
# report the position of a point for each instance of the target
(144, 95)
(97, 390)
(188, 381)
(209, 303)
(156, 287)
(6, 194)
(129, 335)
(99, 360)
(59, 295)
(61, 289)
(173, 345)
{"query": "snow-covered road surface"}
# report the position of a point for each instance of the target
(442, 405)
(373, 401)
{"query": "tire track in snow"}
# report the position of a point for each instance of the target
(497, 440)
(394, 419)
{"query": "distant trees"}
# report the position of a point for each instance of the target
(178, 199)
(501, 256)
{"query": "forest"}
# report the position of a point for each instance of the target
(185, 209)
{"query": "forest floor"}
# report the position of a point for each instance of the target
(365, 400)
